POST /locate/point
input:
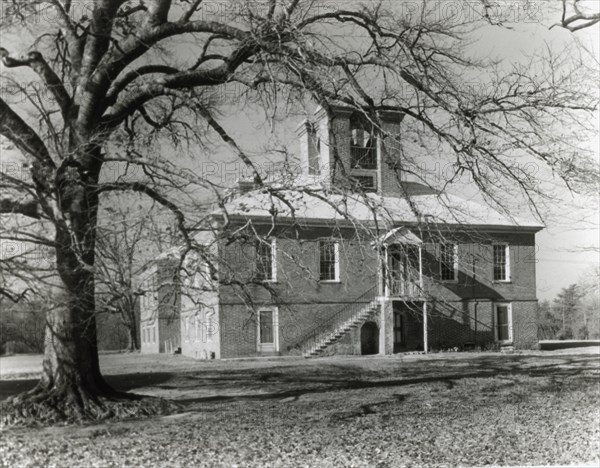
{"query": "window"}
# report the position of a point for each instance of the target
(266, 269)
(363, 147)
(364, 182)
(503, 317)
(268, 334)
(329, 261)
(448, 262)
(314, 151)
(211, 329)
(501, 262)
(153, 335)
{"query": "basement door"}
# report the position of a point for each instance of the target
(268, 336)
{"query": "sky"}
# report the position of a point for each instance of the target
(568, 248)
(564, 247)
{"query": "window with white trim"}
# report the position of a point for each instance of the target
(503, 321)
(329, 261)
(501, 256)
(266, 266)
(448, 262)
(365, 183)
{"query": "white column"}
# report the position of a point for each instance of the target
(420, 267)
(425, 338)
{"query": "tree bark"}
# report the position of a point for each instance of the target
(71, 366)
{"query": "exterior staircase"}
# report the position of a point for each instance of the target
(339, 325)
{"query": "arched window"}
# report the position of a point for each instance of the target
(363, 144)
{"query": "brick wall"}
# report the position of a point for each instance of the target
(304, 301)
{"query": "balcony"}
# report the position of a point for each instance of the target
(403, 289)
(402, 267)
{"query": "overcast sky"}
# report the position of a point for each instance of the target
(565, 246)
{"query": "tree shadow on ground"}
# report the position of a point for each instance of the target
(340, 377)
(121, 382)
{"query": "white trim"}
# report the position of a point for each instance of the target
(454, 261)
(508, 306)
(273, 278)
(336, 250)
(336, 261)
(268, 347)
(507, 276)
(273, 260)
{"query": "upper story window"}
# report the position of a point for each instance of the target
(448, 262)
(365, 183)
(314, 151)
(363, 145)
(329, 261)
(266, 268)
(501, 255)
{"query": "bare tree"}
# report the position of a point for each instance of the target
(575, 16)
(118, 80)
(128, 241)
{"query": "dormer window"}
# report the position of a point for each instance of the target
(363, 145)
(314, 150)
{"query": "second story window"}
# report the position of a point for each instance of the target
(501, 262)
(364, 183)
(448, 262)
(363, 145)
(265, 260)
(329, 262)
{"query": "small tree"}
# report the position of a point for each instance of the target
(566, 304)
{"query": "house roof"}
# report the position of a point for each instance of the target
(312, 205)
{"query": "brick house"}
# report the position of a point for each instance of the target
(349, 264)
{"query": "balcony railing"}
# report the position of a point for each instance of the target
(403, 288)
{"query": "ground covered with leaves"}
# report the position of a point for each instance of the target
(435, 410)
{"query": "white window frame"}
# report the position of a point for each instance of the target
(336, 261)
(268, 347)
(455, 262)
(508, 305)
(209, 331)
(507, 276)
(273, 278)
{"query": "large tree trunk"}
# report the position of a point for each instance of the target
(71, 364)
(134, 344)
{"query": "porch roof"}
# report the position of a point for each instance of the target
(400, 235)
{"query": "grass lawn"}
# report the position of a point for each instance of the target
(436, 410)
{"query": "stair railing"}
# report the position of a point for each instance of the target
(328, 326)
